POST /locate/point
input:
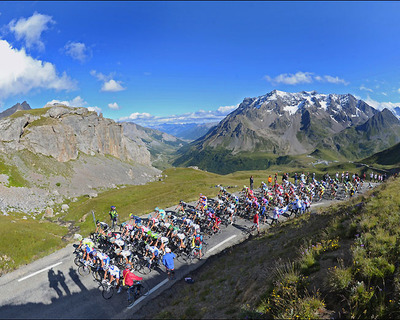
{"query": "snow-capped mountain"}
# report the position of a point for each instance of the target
(283, 123)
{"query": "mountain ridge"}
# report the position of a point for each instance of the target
(17, 107)
(290, 124)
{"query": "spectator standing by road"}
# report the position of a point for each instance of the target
(251, 182)
(113, 216)
(168, 262)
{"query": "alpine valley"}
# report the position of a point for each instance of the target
(283, 128)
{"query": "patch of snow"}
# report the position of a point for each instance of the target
(323, 104)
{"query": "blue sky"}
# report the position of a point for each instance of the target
(185, 61)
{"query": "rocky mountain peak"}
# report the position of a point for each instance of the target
(17, 107)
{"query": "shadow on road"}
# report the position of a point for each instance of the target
(58, 279)
(75, 277)
(66, 304)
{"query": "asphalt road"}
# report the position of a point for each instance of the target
(52, 288)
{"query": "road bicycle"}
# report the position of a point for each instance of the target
(86, 267)
(108, 289)
(139, 289)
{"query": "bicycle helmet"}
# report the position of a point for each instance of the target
(157, 209)
(113, 207)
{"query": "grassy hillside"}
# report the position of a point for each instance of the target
(340, 262)
(23, 241)
(390, 157)
(222, 161)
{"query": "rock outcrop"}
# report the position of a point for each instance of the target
(63, 132)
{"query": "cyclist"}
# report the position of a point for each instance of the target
(202, 203)
(263, 209)
(131, 280)
(217, 222)
(114, 216)
(197, 243)
(102, 228)
(113, 271)
(127, 230)
(84, 242)
(231, 209)
(181, 207)
(155, 253)
(153, 220)
(104, 259)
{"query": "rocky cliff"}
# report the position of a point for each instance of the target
(63, 132)
(55, 153)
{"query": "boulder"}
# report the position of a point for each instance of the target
(48, 213)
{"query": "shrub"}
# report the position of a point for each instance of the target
(340, 278)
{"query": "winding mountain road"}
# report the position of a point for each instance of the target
(52, 288)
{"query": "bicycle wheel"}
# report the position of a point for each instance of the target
(204, 248)
(144, 267)
(191, 257)
(120, 261)
(182, 257)
(108, 292)
(98, 274)
(77, 261)
(84, 270)
(144, 289)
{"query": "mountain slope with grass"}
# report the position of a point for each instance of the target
(390, 156)
(378, 133)
(341, 261)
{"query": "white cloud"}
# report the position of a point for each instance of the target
(335, 80)
(113, 106)
(76, 102)
(30, 30)
(112, 86)
(77, 51)
(96, 109)
(98, 75)
(393, 106)
(138, 115)
(20, 73)
(365, 88)
(293, 79)
(398, 90)
(384, 93)
(227, 109)
(109, 84)
(303, 77)
(201, 116)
